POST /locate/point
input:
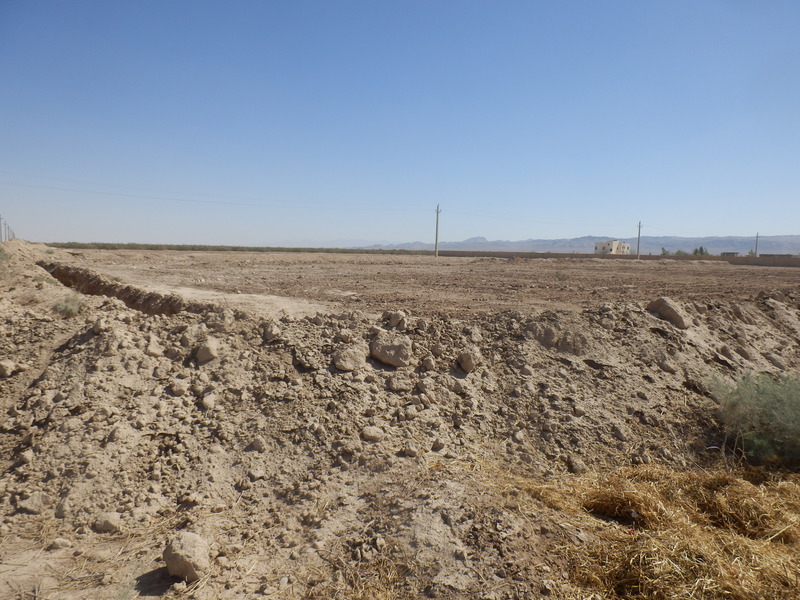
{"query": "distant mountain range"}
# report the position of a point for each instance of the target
(775, 244)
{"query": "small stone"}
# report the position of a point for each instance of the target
(429, 363)
(351, 357)
(395, 318)
(7, 368)
(59, 544)
(107, 522)
(187, 556)
(33, 504)
(468, 361)
(153, 348)
(438, 445)
(26, 457)
(179, 387)
(519, 436)
(259, 444)
(576, 465)
(671, 311)
(373, 434)
(619, 433)
(256, 474)
(526, 370)
(208, 350)
(392, 349)
(208, 402)
(411, 450)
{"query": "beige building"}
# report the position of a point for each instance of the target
(612, 247)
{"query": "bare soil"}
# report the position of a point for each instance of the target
(353, 426)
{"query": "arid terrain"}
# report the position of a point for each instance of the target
(385, 426)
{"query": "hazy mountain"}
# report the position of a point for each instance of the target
(776, 244)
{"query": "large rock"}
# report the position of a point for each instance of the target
(187, 556)
(351, 358)
(671, 311)
(391, 349)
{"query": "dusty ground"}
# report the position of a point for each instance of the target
(343, 426)
(424, 285)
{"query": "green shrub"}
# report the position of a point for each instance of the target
(3, 254)
(69, 306)
(761, 415)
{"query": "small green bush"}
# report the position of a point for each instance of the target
(69, 306)
(3, 254)
(761, 415)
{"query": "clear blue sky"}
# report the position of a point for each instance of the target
(292, 122)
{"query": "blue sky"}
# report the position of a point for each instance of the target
(294, 122)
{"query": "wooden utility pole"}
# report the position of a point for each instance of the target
(638, 240)
(436, 245)
(756, 252)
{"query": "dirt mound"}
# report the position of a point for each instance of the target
(341, 453)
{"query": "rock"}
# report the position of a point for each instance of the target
(573, 343)
(438, 444)
(26, 457)
(411, 450)
(468, 360)
(671, 311)
(107, 522)
(208, 350)
(666, 364)
(59, 544)
(400, 383)
(179, 387)
(526, 370)
(576, 465)
(391, 349)
(153, 348)
(208, 402)
(272, 332)
(34, 504)
(371, 433)
(429, 363)
(7, 368)
(259, 444)
(351, 358)
(619, 433)
(396, 318)
(187, 556)
(775, 361)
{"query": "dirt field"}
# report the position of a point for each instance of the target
(215, 425)
(427, 285)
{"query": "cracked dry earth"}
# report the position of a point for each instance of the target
(346, 426)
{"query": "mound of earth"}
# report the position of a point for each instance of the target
(321, 451)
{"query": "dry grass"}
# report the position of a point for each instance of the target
(666, 534)
(69, 306)
(391, 575)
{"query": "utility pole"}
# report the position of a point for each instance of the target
(638, 240)
(756, 252)
(436, 245)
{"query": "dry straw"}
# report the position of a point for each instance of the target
(666, 534)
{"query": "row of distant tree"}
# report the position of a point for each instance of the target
(701, 251)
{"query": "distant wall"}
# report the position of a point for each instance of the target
(760, 261)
